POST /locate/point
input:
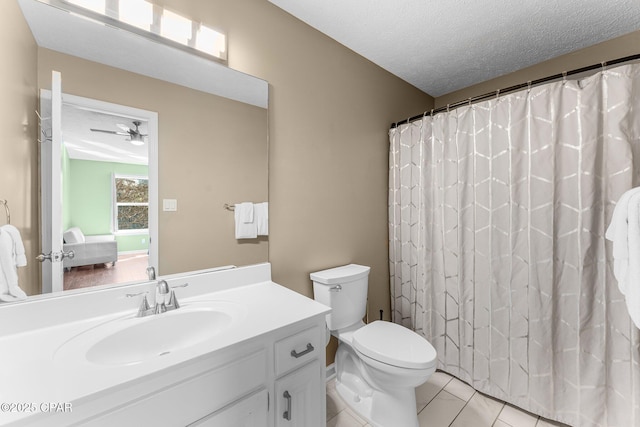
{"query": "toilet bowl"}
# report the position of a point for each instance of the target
(378, 365)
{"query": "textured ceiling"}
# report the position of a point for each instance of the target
(441, 46)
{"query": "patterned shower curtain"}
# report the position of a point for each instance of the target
(497, 216)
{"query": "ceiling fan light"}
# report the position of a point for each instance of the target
(137, 140)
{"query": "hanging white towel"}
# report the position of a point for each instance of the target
(261, 216)
(245, 230)
(624, 232)
(4, 289)
(246, 212)
(19, 256)
(9, 286)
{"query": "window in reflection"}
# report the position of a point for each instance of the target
(132, 203)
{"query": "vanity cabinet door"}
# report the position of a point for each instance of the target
(299, 396)
(252, 411)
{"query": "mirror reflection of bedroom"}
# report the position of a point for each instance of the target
(104, 198)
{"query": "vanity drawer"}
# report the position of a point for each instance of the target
(298, 349)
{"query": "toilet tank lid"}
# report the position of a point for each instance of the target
(345, 273)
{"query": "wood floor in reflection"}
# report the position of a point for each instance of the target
(129, 268)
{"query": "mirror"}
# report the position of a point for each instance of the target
(212, 130)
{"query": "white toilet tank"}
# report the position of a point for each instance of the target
(344, 289)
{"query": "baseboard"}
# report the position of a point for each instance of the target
(330, 372)
(136, 252)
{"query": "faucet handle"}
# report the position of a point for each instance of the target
(184, 285)
(173, 301)
(144, 306)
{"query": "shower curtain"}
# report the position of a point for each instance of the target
(497, 216)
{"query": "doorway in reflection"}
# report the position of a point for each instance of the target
(105, 197)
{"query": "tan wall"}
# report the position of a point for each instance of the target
(616, 48)
(19, 148)
(211, 151)
(329, 115)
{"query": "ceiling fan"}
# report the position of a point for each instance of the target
(134, 135)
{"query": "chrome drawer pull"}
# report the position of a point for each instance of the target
(302, 353)
(287, 414)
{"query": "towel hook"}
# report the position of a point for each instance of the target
(6, 210)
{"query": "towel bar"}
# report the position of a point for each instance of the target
(229, 207)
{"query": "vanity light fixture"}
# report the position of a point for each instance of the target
(98, 6)
(175, 27)
(138, 13)
(151, 21)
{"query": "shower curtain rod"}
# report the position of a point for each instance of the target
(517, 87)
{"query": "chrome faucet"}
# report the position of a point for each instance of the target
(165, 300)
(162, 296)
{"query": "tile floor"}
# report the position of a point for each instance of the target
(444, 401)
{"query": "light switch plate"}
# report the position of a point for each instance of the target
(169, 205)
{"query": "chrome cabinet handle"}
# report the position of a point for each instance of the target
(302, 353)
(287, 414)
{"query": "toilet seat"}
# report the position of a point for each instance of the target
(394, 345)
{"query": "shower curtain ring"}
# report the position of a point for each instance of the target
(564, 77)
(431, 114)
(529, 86)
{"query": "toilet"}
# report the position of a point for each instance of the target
(378, 365)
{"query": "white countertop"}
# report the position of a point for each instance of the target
(29, 372)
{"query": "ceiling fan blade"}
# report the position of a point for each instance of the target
(113, 132)
(124, 127)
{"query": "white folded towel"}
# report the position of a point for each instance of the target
(261, 215)
(245, 230)
(624, 232)
(9, 281)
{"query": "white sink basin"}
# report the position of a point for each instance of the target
(133, 340)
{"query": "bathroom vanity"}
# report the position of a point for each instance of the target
(239, 351)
